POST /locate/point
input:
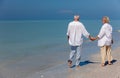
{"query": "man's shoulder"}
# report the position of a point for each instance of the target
(73, 22)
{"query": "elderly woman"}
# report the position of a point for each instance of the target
(105, 40)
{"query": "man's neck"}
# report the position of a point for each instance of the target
(76, 20)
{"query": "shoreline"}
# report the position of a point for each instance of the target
(29, 67)
(90, 68)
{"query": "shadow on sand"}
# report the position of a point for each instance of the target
(113, 61)
(90, 62)
(85, 63)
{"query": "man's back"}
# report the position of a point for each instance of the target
(75, 31)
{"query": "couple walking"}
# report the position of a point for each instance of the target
(74, 33)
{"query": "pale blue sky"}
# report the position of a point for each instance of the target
(58, 9)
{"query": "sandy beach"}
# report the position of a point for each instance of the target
(90, 68)
(36, 38)
(38, 55)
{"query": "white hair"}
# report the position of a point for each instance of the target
(76, 16)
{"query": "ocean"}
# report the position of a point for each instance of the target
(28, 46)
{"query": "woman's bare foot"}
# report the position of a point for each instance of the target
(109, 63)
(102, 64)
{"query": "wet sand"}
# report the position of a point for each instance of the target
(90, 68)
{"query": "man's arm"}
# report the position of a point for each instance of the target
(90, 37)
(84, 32)
(68, 31)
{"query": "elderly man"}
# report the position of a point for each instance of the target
(105, 40)
(74, 33)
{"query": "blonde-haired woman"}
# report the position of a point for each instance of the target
(105, 40)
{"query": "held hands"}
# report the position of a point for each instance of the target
(92, 38)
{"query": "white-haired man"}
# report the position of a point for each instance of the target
(74, 33)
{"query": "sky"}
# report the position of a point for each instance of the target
(58, 9)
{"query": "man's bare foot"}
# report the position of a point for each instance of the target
(77, 67)
(70, 63)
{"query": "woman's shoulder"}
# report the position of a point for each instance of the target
(106, 26)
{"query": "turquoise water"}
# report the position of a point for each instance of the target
(34, 37)
(23, 36)
(34, 44)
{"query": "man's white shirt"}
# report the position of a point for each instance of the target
(105, 35)
(75, 31)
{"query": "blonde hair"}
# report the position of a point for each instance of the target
(107, 19)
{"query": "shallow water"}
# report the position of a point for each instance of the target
(30, 46)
